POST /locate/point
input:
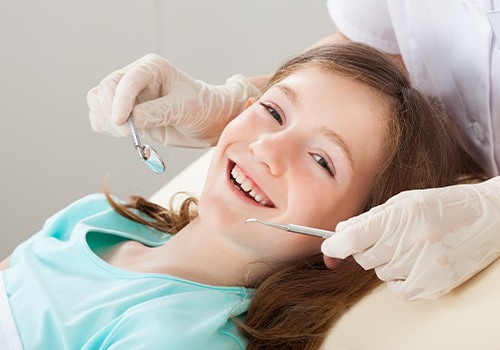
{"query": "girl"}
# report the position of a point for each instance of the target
(338, 125)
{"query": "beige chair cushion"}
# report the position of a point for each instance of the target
(467, 318)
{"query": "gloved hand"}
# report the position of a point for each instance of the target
(168, 105)
(424, 243)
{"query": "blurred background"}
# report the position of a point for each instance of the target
(54, 51)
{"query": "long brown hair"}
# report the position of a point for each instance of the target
(295, 307)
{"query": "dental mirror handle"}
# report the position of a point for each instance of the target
(135, 136)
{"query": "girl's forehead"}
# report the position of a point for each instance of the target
(314, 74)
(287, 74)
(329, 84)
(331, 92)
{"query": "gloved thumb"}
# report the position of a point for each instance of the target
(99, 124)
(351, 237)
(342, 244)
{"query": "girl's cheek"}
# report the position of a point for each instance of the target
(241, 125)
(232, 129)
(239, 122)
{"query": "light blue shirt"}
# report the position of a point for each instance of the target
(63, 296)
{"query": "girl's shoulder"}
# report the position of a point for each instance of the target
(68, 217)
(83, 207)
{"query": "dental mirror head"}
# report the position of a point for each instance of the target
(146, 152)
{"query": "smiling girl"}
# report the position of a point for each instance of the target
(339, 130)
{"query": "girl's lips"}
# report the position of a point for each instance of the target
(245, 187)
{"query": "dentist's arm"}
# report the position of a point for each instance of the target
(424, 243)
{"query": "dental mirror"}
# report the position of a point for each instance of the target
(146, 152)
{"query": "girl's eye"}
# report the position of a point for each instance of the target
(273, 113)
(323, 163)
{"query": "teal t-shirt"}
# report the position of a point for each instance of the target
(63, 296)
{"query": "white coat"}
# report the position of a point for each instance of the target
(450, 52)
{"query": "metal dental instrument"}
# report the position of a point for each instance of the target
(147, 153)
(304, 230)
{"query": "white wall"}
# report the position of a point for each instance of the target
(53, 51)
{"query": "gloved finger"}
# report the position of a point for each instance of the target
(396, 287)
(145, 75)
(124, 99)
(393, 271)
(158, 112)
(399, 288)
(426, 276)
(351, 240)
(396, 249)
(98, 121)
(182, 104)
(354, 221)
(106, 93)
(358, 233)
(338, 246)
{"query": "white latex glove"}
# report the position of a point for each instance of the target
(424, 243)
(168, 105)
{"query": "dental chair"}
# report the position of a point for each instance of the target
(466, 318)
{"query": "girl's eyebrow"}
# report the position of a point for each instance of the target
(336, 139)
(289, 93)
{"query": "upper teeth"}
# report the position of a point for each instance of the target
(249, 186)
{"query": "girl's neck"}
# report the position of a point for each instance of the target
(192, 254)
(204, 257)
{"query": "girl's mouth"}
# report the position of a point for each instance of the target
(247, 186)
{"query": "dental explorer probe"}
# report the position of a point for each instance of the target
(304, 230)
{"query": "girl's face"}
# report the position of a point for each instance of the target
(305, 153)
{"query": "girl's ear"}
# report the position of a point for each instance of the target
(249, 102)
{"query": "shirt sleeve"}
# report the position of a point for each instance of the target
(365, 21)
(60, 225)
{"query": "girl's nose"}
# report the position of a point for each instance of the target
(275, 150)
